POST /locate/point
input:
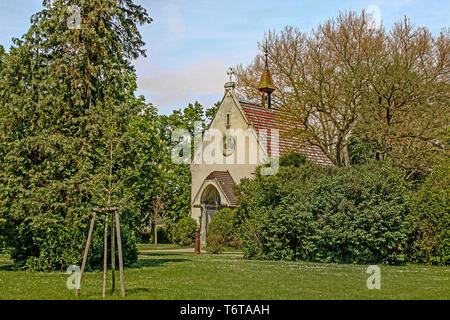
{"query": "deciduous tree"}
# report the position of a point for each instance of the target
(348, 81)
(406, 102)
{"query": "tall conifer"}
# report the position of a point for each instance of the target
(58, 85)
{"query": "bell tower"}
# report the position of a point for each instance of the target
(266, 86)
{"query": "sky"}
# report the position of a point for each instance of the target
(191, 44)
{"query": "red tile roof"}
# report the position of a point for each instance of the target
(226, 182)
(264, 119)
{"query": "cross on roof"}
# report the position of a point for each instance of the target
(230, 73)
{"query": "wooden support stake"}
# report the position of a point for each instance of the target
(105, 256)
(114, 212)
(88, 242)
(113, 254)
(119, 247)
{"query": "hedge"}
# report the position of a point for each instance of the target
(313, 213)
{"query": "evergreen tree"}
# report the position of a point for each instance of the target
(57, 86)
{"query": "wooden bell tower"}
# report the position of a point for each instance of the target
(266, 86)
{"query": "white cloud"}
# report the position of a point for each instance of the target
(186, 84)
(394, 2)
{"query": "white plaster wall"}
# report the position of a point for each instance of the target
(238, 171)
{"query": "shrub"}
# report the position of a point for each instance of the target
(347, 215)
(168, 230)
(147, 235)
(163, 236)
(293, 159)
(430, 231)
(214, 243)
(224, 228)
(55, 245)
(144, 235)
(184, 231)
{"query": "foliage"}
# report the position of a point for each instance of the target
(361, 151)
(180, 119)
(214, 243)
(430, 233)
(2, 54)
(163, 236)
(294, 159)
(211, 112)
(347, 215)
(149, 165)
(169, 182)
(66, 99)
(184, 231)
(143, 235)
(354, 86)
(406, 103)
(147, 235)
(223, 230)
(319, 76)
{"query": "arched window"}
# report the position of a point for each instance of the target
(210, 196)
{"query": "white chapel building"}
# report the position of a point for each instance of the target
(212, 181)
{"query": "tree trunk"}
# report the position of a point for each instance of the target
(156, 233)
(346, 155)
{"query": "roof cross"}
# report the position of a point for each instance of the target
(230, 73)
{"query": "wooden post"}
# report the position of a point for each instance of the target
(88, 242)
(113, 253)
(119, 248)
(105, 256)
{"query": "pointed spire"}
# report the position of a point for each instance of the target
(266, 86)
(267, 56)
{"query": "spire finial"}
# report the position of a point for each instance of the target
(230, 73)
(266, 53)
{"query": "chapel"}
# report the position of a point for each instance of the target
(251, 135)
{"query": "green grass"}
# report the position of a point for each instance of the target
(227, 276)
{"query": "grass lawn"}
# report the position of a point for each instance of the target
(227, 276)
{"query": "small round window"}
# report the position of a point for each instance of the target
(228, 145)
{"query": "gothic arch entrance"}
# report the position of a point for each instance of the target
(215, 193)
(210, 202)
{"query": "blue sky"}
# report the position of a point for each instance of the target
(191, 44)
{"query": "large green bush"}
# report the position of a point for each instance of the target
(312, 213)
(184, 231)
(223, 230)
(430, 232)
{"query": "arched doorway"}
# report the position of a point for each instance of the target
(210, 202)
